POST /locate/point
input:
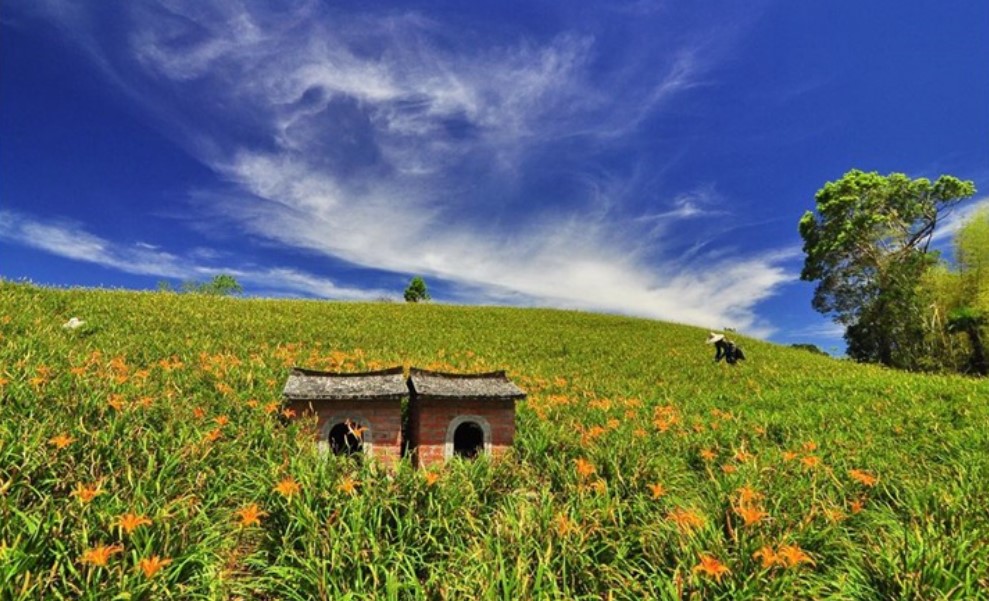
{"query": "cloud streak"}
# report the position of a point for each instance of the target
(70, 241)
(388, 141)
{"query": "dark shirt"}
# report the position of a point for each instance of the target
(726, 349)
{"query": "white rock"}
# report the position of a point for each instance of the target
(73, 323)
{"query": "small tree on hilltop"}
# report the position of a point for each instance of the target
(220, 285)
(416, 291)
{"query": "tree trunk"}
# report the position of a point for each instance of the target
(979, 363)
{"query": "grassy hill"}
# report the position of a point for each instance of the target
(641, 469)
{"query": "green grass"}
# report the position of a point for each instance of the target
(144, 388)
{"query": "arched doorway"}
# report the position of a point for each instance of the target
(468, 440)
(345, 439)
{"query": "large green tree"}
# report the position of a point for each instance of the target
(867, 247)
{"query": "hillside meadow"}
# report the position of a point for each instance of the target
(145, 456)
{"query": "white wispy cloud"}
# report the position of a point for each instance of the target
(71, 241)
(949, 226)
(390, 142)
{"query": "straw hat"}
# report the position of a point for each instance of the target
(712, 338)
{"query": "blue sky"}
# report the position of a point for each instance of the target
(646, 158)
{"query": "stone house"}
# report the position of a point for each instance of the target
(460, 414)
(448, 414)
(355, 412)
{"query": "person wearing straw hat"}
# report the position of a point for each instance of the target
(725, 349)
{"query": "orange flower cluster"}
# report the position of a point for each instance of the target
(99, 556)
(864, 478)
(747, 506)
(130, 522)
(658, 490)
(710, 566)
(86, 494)
(811, 462)
(585, 469)
(787, 556)
(592, 434)
(347, 486)
(287, 487)
(665, 417)
(61, 441)
(151, 565)
(116, 401)
(687, 520)
(250, 515)
(564, 525)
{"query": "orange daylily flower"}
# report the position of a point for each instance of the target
(856, 506)
(85, 494)
(250, 515)
(658, 490)
(198, 412)
(287, 487)
(213, 435)
(811, 461)
(585, 468)
(288, 413)
(99, 556)
(348, 486)
(708, 454)
(564, 525)
(431, 478)
(864, 478)
(793, 555)
(356, 429)
(789, 455)
(810, 446)
(221, 420)
(742, 455)
(130, 522)
(271, 408)
(750, 515)
(710, 566)
(151, 565)
(768, 557)
(747, 495)
(116, 401)
(686, 519)
(61, 441)
(729, 469)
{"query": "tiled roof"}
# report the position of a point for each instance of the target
(439, 385)
(308, 384)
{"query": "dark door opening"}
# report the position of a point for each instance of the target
(344, 440)
(468, 440)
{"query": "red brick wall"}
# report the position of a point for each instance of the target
(384, 417)
(430, 420)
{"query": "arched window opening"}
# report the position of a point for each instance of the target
(346, 439)
(468, 440)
